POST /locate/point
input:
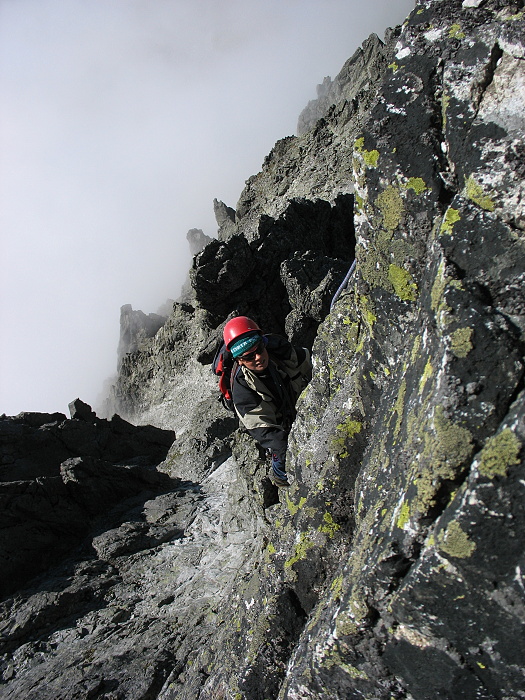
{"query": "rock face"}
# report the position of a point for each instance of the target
(393, 566)
(135, 326)
(197, 240)
(58, 475)
(352, 85)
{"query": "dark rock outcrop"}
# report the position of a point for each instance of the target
(393, 566)
(79, 410)
(59, 475)
(246, 273)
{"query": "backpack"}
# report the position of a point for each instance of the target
(225, 367)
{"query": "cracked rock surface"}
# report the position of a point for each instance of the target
(393, 566)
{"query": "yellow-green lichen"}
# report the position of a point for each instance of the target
(460, 342)
(332, 658)
(438, 288)
(382, 251)
(417, 184)
(500, 452)
(427, 373)
(404, 285)
(344, 433)
(451, 445)
(348, 621)
(445, 103)
(367, 311)
(337, 586)
(391, 205)
(399, 406)
(451, 217)
(446, 448)
(455, 542)
(352, 336)
(370, 157)
(415, 349)
(393, 66)
(307, 675)
(457, 284)
(270, 548)
(475, 193)
(358, 607)
(291, 505)
(455, 32)
(404, 516)
(399, 249)
(353, 672)
(301, 548)
(329, 527)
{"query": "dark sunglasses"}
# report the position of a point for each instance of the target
(250, 356)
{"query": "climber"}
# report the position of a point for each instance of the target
(270, 376)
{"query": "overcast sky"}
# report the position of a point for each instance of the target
(121, 120)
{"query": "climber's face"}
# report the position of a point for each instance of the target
(256, 359)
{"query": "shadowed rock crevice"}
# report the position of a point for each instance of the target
(265, 675)
(480, 88)
(245, 274)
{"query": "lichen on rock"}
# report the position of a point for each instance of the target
(392, 566)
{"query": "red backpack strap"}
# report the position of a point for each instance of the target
(233, 374)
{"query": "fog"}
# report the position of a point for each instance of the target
(121, 120)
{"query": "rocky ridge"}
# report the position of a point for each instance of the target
(393, 566)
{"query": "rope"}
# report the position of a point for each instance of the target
(343, 284)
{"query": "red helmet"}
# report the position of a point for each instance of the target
(238, 326)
